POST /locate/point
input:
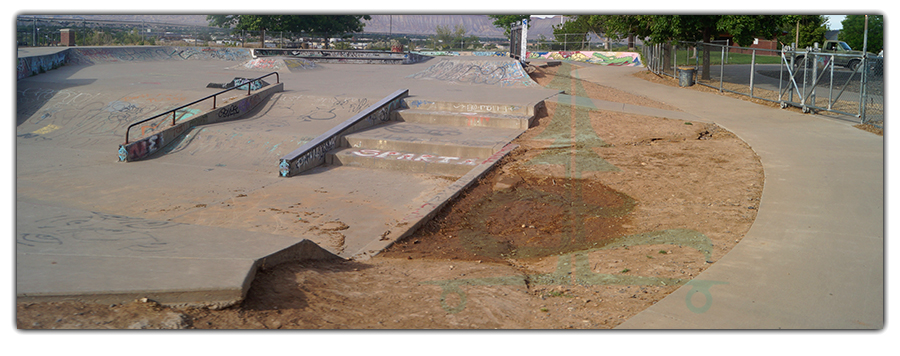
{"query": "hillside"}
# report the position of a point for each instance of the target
(478, 25)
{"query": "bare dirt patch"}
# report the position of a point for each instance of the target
(595, 217)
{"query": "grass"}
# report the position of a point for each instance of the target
(715, 58)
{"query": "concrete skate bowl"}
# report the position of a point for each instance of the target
(503, 73)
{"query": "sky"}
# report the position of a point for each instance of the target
(834, 21)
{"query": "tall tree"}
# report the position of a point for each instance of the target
(805, 30)
(325, 25)
(506, 22)
(576, 29)
(853, 30)
(671, 28)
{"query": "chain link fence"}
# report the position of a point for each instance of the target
(574, 42)
(808, 79)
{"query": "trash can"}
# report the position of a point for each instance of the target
(686, 76)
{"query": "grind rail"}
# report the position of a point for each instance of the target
(213, 96)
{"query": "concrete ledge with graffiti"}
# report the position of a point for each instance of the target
(312, 154)
(147, 146)
(28, 66)
(631, 59)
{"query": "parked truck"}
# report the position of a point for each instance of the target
(845, 56)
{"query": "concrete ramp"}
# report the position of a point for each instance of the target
(276, 64)
(503, 72)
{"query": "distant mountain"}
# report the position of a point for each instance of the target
(194, 20)
(478, 25)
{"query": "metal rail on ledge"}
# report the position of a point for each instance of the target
(213, 96)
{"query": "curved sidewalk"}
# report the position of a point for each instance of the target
(814, 257)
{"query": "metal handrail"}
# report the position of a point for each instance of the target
(213, 96)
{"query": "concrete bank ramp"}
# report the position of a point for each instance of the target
(503, 72)
(276, 64)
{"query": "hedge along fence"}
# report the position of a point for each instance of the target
(312, 154)
(147, 146)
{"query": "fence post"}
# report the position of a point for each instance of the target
(722, 70)
(752, 69)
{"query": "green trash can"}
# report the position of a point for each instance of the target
(686, 76)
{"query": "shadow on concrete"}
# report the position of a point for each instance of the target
(29, 100)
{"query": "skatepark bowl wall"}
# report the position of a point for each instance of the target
(34, 65)
(343, 56)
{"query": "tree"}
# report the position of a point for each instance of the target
(576, 29)
(805, 30)
(671, 28)
(854, 28)
(326, 25)
(506, 22)
(448, 38)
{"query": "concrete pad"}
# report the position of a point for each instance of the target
(65, 254)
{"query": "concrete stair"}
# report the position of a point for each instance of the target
(462, 118)
(440, 138)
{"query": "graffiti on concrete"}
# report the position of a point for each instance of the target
(438, 53)
(29, 66)
(631, 59)
(416, 157)
(141, 149)
(491, 54)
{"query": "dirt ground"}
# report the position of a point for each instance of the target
(595, 217)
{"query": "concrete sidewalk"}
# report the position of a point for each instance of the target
(814, 257)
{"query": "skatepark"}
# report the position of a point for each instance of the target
(192, 222)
